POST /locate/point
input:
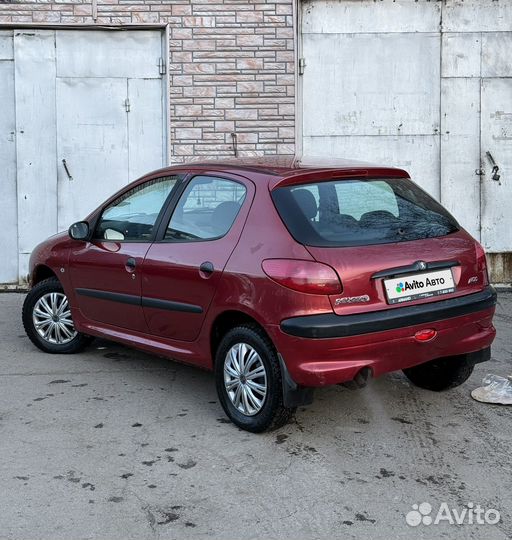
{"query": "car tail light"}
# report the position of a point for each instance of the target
(481, 263)
(425, 335)
(304, 276)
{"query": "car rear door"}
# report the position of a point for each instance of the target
(183, 266)
(106, 272)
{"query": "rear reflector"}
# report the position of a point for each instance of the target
(303, 276)
(425, 335)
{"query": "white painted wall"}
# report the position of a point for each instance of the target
(64, 96)
(421, 85)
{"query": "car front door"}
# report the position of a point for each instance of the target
(183, 266)
(106, 272)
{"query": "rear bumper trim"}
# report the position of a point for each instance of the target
(330, 325)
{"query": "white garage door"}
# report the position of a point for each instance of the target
(84, 115)
(421, 85)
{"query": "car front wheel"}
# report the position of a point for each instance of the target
(47, 319)
(248, 380)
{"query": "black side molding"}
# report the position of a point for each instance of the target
(330, 325)
(114, 297)
(133, 300)
(169, 305)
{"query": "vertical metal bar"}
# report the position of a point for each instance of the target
(234, 144)
(94, 9)
(166, 97)
(298, 101)
(480, 158)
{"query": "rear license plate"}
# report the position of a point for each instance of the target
(424, 285)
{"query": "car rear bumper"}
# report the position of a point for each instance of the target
(463, 325)
(330, 325)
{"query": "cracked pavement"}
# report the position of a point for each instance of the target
(117, 444)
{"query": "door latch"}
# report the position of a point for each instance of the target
(494, 172)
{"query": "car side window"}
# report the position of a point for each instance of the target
(133, 215)
(206, 210)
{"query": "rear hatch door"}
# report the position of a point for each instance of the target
(389, 241)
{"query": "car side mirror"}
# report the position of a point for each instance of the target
(79, 230)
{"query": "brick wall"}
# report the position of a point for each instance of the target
(231, 66)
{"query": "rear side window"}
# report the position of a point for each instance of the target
(206, 210)
(361, 212)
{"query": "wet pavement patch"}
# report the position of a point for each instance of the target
(149, 463)
(362, 517)
(401, 420)
(168, 517)
(188, 465)
(385, 473)
(117, 356)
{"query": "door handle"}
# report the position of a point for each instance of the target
(66, 168)
(130, 264)
(206, 269)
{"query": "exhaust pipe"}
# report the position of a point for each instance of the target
(360, 380)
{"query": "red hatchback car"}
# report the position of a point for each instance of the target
(280, 276)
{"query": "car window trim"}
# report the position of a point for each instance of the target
(181, 178)
(166, 218)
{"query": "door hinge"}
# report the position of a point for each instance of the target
(302, 65)
(161, 66)
(127, 104)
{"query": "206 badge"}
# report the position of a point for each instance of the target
(352, 299)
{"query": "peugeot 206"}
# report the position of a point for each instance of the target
(279, 275)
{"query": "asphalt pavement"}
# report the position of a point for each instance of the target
(115, 444)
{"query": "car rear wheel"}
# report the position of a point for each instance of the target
(248, 380)
(440, 374)
(47, 319)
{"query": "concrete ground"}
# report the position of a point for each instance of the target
(116, 444)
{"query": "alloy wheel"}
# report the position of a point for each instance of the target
(52, 318)
(245, 379)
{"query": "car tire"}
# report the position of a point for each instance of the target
(258, 413)
(441, 374)
(46, 311)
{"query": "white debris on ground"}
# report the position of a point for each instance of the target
(496, 389)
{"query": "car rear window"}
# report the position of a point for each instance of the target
(361, 212)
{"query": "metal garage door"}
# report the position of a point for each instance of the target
(82, 115)
(422, 85)
(371, 85)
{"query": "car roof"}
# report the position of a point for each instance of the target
(280, 170)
